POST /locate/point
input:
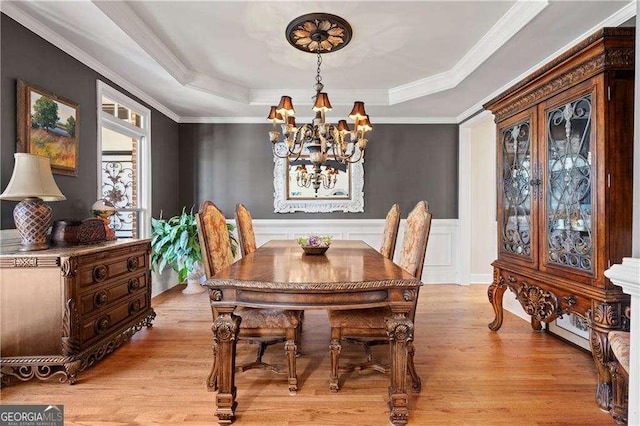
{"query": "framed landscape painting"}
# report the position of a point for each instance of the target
(48, 126)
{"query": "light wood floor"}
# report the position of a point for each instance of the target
(470, 375)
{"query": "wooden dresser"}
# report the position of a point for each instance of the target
(63, 309)
(565, 178)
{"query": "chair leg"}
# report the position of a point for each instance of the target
(212, 380)
(290, 349)
(416, 383)
(299, 338)
(334, 348)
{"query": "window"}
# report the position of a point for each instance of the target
(124, 159)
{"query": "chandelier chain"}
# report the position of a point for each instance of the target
(318, 76)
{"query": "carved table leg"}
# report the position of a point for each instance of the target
(416, 383)
(212, 380)
(604, 318)
(400, 332)
(495, 292)
(225, 329)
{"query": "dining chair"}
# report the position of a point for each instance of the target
(247, 238)
(244, 225)
(257, 325)
(367, 326)
(390, 235)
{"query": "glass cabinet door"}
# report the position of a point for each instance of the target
(569, 241)
(514, 216)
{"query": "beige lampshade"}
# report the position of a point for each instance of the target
(32, 177)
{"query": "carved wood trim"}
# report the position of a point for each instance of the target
(261, 285)
(28, 262)
(69, 267)
(215, 294)
(603, 33)
(9, 373)
(70, 329)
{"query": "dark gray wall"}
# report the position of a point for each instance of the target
(26, 56)
(233, 163)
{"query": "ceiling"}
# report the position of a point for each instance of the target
(227, 61)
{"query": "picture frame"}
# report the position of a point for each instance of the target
(48, 125)
(289, 199)
(572, 328)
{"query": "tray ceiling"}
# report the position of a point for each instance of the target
(418, 61)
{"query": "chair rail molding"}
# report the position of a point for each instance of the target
(627, 276)
(440, 262)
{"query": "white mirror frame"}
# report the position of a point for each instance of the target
(281, 204)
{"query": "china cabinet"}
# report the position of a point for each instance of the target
(564, 156)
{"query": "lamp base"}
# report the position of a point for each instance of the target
(33, 219)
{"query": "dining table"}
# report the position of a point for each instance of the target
(279, 275)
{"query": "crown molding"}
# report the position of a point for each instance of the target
(16, 13)
(263, 120)
(121, 14)
(624, 14)
(516, 18)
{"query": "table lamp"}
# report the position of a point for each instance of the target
(32, 184)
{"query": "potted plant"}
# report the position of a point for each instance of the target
(175, 243)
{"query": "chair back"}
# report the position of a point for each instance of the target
(416, 237)
(214, 239)
(244, 224)
(390, 236)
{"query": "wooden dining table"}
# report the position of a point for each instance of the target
(350, 275)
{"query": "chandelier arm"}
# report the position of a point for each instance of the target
(275, 152)
(360, 156)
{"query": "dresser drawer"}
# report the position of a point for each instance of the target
(99, 270)
(100, 325)
(104, 297)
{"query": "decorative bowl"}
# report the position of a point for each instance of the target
(314, 244)
(314, 250)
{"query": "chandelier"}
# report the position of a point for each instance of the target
(318, 33)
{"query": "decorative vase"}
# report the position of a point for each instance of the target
(194, 280)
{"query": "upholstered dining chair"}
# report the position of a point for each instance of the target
(391, 225)
(367, 326)
(247, 238)
(257, 325)
(244, 225)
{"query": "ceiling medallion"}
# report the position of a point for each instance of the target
(318, 33)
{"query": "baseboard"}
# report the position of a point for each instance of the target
(480, 278)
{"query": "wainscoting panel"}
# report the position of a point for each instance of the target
(440, 262)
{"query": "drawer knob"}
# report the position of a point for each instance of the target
(100, 299)
(99, 273)
(134, 284)
(102, 325)
(132, 263)
(134, 306)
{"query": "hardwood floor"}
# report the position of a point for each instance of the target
(470, 375)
